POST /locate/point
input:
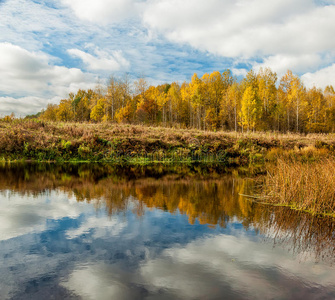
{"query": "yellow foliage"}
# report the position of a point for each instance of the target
(65, 111)
(123, 115)
(98, 110)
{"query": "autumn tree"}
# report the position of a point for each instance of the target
(147, 105)
(196, 101)
(251, 105)
(162, 102)
(216, 89)
(229, 101)
(216, 100)
(81, 103)
(65, 111)
(98, 111)
(316, 110)
(50, 113)
(267, 92)
(329, 94)
(231, 104)
(176, 107)
(124, 114)
(118, 96)
(292, 91)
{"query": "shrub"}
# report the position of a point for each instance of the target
(84, 151)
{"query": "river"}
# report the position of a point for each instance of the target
(90, 231)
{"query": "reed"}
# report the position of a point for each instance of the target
(307, 186)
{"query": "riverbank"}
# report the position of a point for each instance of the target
(37, 140)
(296, 162)
(304, 186)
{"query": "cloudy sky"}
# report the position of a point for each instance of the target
(50, 48)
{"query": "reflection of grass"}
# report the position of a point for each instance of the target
(302, 185)
(66, 177)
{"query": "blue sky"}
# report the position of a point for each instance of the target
(50, 48)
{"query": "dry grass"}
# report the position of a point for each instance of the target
(302, 185)
(35, 139)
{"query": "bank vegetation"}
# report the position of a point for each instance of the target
(32, 139)
(307, 186)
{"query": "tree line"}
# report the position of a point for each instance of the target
(216, 101)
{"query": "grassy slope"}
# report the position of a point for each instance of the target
(37, 140)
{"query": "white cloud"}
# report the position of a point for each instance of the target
(30, 16)
(24, 106)
(104, 11)
(102, 60)
(237, 262)
(149, 37)
(29, 214)
(283, 34)
(31, 24)
(206, 268)
(25, 73)
(239, 72)
(320, 78)
(30, 77)
(299, 63)
(245, 28)
(100, 282)
(286, 35)
(102, 227)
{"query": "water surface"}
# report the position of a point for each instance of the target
(106, 232)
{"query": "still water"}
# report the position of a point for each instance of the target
(105, 232)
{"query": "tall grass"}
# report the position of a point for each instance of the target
(302, 185)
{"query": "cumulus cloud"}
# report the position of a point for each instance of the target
(100, 282)
(23, 106)
(206, 268)
(104, 11)
(30, 214)
(281, 35)
(166, 40)
(32, 80)
(102, 60)
(101, 227)
(320, 78)
(299, 63)
(239, 72)
(244, 28)
(23, 72)
(231, 266)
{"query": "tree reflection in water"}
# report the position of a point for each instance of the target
(208, 195)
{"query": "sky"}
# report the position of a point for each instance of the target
(49, 48)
